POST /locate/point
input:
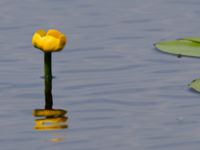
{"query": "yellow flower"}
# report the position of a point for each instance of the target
(50, 41)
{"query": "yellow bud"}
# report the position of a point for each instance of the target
(50, 41)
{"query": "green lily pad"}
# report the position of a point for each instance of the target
(195, 85)
(180, 47)
(193, 39)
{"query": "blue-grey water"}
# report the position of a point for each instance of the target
(120, 93)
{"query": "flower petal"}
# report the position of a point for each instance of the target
(54, 33)
(51, 41)
(50, 44)
(62, 41)
(37, 38)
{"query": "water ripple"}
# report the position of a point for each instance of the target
(77, 87)
(94, 26)
(122, 68)
(176, 145)
(113, 102)
(84, 49)
(96, 128)
(136, 21)
(121, 93)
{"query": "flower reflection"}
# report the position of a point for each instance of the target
(56, 140)
(55, 137)
(49, 112)
(54, 119)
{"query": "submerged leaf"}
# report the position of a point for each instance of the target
(195, 85)
(180, 47)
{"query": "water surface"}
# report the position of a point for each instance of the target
(119, 91)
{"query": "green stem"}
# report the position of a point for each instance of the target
(48, 80)
(47, 65)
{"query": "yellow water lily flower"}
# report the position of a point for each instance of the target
(50, 41)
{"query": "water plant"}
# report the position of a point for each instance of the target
(187, 46)
(48, 42)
